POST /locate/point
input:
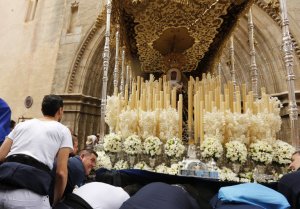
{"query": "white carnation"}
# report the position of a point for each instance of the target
(133, 145)
(152, 146)
(174, 147)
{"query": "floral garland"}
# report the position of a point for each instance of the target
(103, 161)
(211, 147)
(147, 123)
(282, 152)
(174, 147)
(152, 146)
(128, 122)
(121, 164)
(236, 151)
(168, 123)
(133, 145)
(112, 143)
(261, 151)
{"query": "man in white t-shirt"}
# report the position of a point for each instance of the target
(95, 195)
(29, 151)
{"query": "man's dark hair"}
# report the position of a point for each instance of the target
(51, 104)
(296, 152)
(12, 124)
(88, 152)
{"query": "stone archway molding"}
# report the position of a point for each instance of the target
(276, 17)
(99, 23)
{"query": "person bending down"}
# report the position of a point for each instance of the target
(160, 195)
(79, 167)
(94, 195)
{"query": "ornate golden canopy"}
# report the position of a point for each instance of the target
(177, 33)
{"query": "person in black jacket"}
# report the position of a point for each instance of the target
(160, 195)
(289, 184)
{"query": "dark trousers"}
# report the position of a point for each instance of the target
(73, 201)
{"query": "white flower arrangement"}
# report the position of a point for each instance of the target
(168, 123)
(237, 124)
(265, 125)
(128, 122)
(282, 152)
(174, 147)
(211, 147)
(147, 123)
(276, 105)
(261, 151)
(174, 169)
(112, 111)
(226, 174)
(258, 127)
(133, 145)
(236, 151)
(142, 165)
(246, 177)
(121, 164)
(274, 123)
(162, 168)
(112, 143)
(152, 146)
(214, 122)
(103, 161)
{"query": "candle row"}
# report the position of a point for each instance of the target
(208, 94)
(151, 95)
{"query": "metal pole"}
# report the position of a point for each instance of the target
(253, 66)
(232, 69)
(288, 60)
(127, 76)
(219, 70)
(122, 89)
(106, 56)
(116, 69)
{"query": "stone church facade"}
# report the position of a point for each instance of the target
(54, 46)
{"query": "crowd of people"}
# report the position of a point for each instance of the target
(40, 167)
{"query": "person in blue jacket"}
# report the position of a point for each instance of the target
(79, 167)
(5, 114)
